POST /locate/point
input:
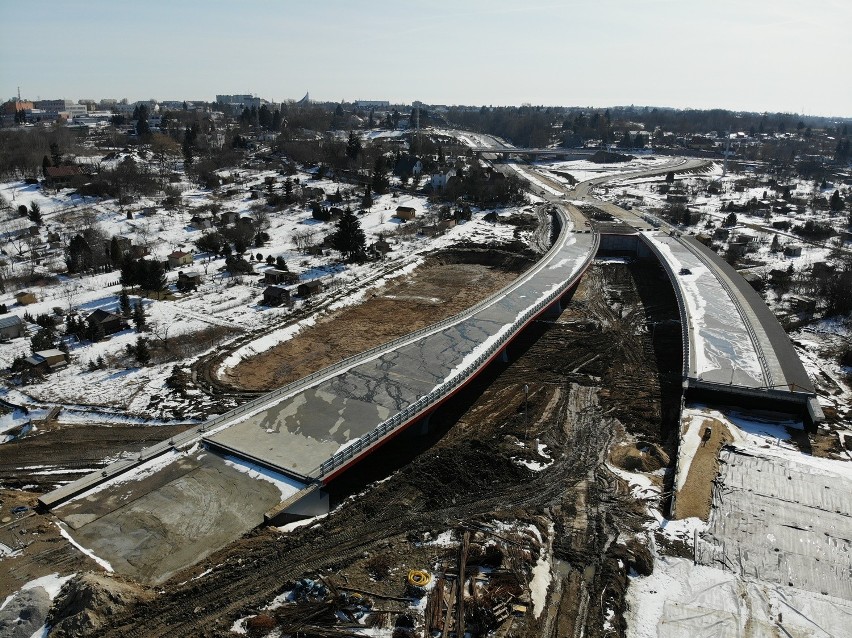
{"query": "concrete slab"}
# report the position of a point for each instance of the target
(150, 528)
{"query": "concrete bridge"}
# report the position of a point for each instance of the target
(505, 152)
(313, 429)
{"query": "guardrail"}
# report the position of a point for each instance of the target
(428, 400)
(741, 311)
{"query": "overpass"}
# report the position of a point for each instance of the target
(505, 152)
(313, 429)
(734, 347)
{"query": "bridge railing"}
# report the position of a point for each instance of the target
(353, 450)
(741, 311)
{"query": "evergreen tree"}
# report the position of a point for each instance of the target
(45, 164)
(836, 202)
(139, 316)
(349, 238)
(141, 351)
(154, 277)
(115, 252)
(44, 339)
(281, 263)
(367, 200)
(35, 213)
(353, 146)
(55, 154)
(776, 244)
(124, 304)
(129, 272)
(381, 181)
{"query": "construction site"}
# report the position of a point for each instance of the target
(514, 471)
(528, 504)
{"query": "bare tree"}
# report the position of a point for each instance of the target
(69, 292)
(303, 239)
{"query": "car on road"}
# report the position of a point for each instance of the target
(685, 271)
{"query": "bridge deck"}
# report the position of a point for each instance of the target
(733, 338)
(299, 433)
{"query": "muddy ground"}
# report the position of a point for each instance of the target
(591, 375)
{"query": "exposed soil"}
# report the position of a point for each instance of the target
(696, 496)
(447, 283)
(65, 452)
(587, 373)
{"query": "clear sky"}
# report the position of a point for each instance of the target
(759, 55)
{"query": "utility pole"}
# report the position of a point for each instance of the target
(417, 123)
(527, 412)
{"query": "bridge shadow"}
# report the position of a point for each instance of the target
(415, 440)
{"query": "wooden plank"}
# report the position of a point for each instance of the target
(463, 551)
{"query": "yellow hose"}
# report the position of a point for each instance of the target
(419, 578)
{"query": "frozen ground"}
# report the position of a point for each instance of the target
(744, 594)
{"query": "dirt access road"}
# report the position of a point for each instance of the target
(588, 373)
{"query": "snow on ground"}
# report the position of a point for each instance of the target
(51, 583)
(100, 561)
(542, 575)
(221, 302)
(285, 485)
(681, 598)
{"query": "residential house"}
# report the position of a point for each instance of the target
(792, 250)
(189, 280)
(382, 246)
(46, 360)
(274, 276)
(57, 176)
(202, 221)
(25, 297)
(228, 217)
(11, 327)
(446, 224)
(309, 288)
(439, 180)
(408, 165)
(405, 213)
(108, 321)
(275, 296)
(179, 258)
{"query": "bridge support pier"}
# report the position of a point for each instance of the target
(504, 355)
(310, 502)
(423, 426)
(553, 310)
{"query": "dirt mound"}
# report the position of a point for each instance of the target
(515, 257)
(639, 457)
(88, 601)
(605, 157)
(24, 613)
